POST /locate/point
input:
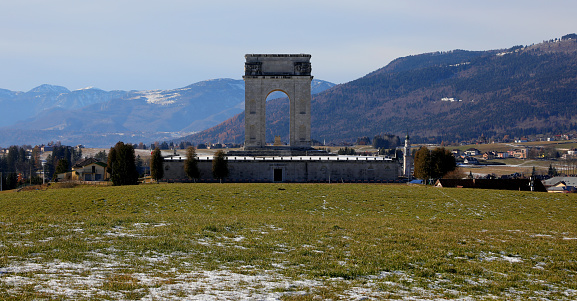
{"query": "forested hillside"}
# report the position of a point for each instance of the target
(441, 96)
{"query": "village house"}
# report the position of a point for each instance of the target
(502, 155)
(561, 184)
(214, 146)
(472, 152)
(46, 148)
(88, 169)
(456, 152)
(561, 188)
(470, 160)
(518, 153)
(489, 155)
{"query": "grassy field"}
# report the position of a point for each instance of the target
(512, 166)
(287, 242)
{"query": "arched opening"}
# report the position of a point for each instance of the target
(276, 123)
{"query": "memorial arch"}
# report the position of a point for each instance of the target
(298, 162)
(267, 73)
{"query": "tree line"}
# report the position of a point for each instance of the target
(433, 164)
(122, 169)
(19, 167)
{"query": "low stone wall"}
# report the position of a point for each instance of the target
(294, 169)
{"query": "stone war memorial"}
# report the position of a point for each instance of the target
(298, 161)
(267, 73)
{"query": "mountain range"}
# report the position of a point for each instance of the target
(448, 96)
(451, 95)
(98, 118)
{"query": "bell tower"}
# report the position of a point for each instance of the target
(407, 159)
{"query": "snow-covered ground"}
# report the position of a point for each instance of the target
(106, 276)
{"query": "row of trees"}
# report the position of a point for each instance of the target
(219, 165)
(386, 141)
(433, 164)
(61, 160)
(14, 166)
(346, 151)
(19, 166)
(122, 164)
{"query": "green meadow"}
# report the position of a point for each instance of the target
(286, 242)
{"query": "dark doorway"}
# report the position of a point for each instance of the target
(278, 175)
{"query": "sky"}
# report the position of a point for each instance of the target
(153, 44)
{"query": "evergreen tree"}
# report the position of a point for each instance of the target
(101, 156)
(3, 166)
(65, 152)
(552, 172)
(76, 155)
(49, 167)
(111, 160)
(219, 165)
(62, 166)
(3, 181)
(422, 164)
(35, 156)
(12, 158)
(156, 165)
(21, 154)
(121, 161)
(442, 162)
(191, 164)
(11, 181)
(3, 172)
(139, 165)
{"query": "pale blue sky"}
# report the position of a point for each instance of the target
(144, 44)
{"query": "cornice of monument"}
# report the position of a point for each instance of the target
(277, 55)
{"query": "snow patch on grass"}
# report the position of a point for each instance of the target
(492, 256)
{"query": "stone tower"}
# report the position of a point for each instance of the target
(267, 73)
